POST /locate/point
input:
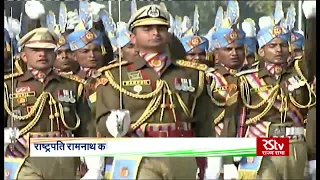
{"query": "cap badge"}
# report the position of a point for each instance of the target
(153, 12)
(293, 38)
(195, 41)
(62, 40)
(277, 31)
(233, 35)
(89, 35)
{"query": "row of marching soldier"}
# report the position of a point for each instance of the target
(84, 75)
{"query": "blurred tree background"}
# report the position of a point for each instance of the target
(207, 9)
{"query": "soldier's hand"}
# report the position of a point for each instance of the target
(118, 123)
(10, 136)
(214, 167)
(312, 167)
(309, 9)
(95, 167)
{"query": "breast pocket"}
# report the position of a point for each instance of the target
(22, 103)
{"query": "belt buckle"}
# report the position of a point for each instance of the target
(163, 134)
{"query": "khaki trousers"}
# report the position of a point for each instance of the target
(167, 168)
(40, 168)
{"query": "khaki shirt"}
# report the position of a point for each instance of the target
(23, 93)
(141, 85)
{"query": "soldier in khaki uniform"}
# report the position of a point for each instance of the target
(44, 105)
(64, 62)
(163, 96)
(276, 97)
(229, 44)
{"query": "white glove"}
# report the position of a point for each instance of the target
(312, 167)
(309, 9)
(95, 167)
(237, 159)
(230, 171)
(214, 168)
(118, 123)
(34, 9)
(10, 135)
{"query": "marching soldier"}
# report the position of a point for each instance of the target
(229, 45)
(40, 103)
(230, 53)
(64, 62)
(196, 47)
(88, 50)
(157, 92)
(276, 97)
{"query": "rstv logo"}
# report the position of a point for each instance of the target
(272, 146)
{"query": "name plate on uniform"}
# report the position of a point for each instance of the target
(136, 82)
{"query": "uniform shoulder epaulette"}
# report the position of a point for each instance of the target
(112, 64)
(73, 77)
(210, 70)
(255, 64)
(248, 71)
(193, 65)
(14, 75)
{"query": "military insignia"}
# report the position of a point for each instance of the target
(22, 97)
(155, 63)
(233, 71)
(195, 41)
(23, 89)
(134, 75)
(184, 84)
(233, 35)
(136, 82)
(177, 84)
(190, 86)
(293, 37)
(137, 88)
(62, 40)
(278, 70)
(124, 172)
(153, 12)
(28, 108)
(89, 35)
(277, 31)
(66, 96)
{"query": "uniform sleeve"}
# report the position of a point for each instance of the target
(203, 115)
(86, 128)
(107, 100)
(311, 134)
